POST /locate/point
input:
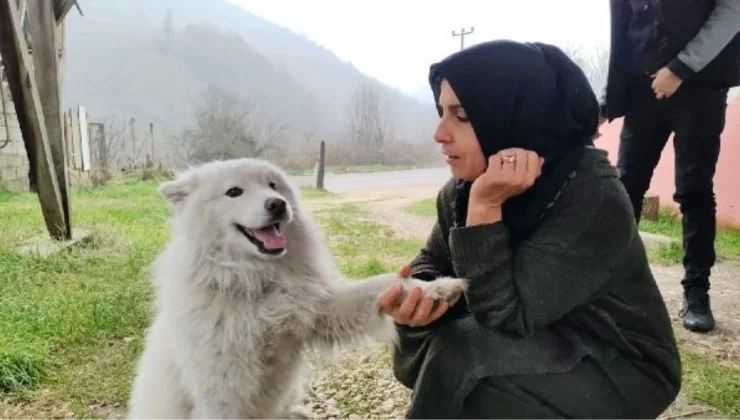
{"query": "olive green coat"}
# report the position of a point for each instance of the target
(569, 324)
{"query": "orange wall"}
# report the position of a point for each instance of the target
(726, 179)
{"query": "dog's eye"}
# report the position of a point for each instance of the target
(273, 186)
(234, 192)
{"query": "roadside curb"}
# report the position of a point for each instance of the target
(657, 239)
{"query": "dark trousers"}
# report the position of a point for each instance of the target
(591, 390)
(696, 117)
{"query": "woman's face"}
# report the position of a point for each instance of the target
(456, 136)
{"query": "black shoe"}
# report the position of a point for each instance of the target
(696, 312)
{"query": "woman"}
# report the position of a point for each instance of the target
(562, 317)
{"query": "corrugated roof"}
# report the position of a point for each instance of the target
(62, 7)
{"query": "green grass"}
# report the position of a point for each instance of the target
(714, 384)
(313, 193)
(80, 313)
(669, 224)
(71, 324)
(426, 207)
(364, 248)
(665, 254)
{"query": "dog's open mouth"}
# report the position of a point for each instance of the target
(268, 239)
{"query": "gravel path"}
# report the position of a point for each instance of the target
(360, 385)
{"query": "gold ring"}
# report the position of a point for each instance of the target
(509, 159)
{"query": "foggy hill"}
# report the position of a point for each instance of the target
(124, 61)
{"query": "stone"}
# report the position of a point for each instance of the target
(656, 239)
(43, 245)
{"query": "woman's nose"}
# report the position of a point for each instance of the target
(441, 135)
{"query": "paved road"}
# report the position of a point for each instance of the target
(343, 183)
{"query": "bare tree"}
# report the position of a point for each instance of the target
(108, 144)
(599, 67)
(107, 149)
(228, 126)
(594, 63)
(367, 123)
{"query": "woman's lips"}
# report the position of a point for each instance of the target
(451, 158)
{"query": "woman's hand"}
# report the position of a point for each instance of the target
(416, 310)
(510, 172)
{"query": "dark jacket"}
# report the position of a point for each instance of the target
(580, 286)
(698, 40)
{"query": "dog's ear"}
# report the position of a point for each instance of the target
(177, 190)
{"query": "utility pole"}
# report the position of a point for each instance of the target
(462, 35)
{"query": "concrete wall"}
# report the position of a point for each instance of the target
(13, 158)
(726, 179)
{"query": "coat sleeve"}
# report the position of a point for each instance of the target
(719, 29)
(564, 264)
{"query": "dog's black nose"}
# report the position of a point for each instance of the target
(275, 206)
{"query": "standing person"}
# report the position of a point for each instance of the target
(671, 66)
(562, 317)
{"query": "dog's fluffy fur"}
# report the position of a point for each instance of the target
(232, 321)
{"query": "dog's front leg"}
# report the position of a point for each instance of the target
(212, 374)
(213, 400)
(215, 396)
(352, 312)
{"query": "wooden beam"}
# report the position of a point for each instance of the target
(28, 104)
(42, 26)
(27, 141)
(22, 8)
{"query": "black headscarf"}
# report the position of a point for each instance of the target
(526, 95)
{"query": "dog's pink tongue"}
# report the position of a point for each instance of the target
(270, 237)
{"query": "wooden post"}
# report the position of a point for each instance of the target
(75, 140)
(151, 139)
(29, 109)
(43, 29)
(73, 147)
(651, 208)
(322, 161)
(132, 133)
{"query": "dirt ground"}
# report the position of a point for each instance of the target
(387, 207)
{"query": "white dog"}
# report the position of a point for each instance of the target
(243, 287)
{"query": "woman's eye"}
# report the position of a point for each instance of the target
(273, 186)
(234, 192)
(462, 118)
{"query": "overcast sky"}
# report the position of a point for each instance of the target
(395, 41)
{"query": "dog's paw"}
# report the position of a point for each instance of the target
(448, 289)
